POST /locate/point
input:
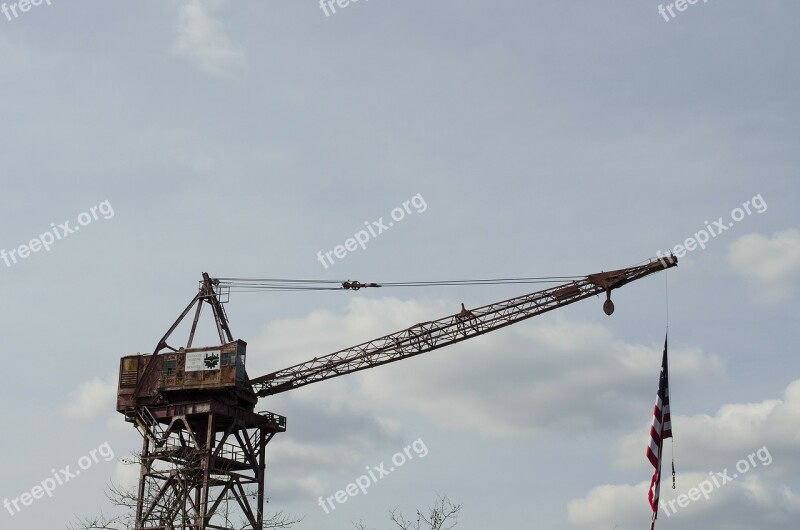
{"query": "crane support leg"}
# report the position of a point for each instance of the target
(204, 468)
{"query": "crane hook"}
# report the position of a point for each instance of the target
(608, 305)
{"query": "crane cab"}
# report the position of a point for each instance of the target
(189, 374)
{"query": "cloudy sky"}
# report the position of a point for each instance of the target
(542, 138)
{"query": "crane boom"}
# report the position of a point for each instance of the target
(428, 336)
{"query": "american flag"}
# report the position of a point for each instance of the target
(659, 431)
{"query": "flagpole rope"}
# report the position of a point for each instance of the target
(669, 370)
(666, 290)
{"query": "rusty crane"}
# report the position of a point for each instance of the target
(203, 441)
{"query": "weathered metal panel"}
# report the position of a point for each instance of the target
(187, 370)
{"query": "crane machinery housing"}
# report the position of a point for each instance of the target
(204, 443)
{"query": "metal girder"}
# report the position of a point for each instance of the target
(463, 325)
(206, 294)
(203, 470)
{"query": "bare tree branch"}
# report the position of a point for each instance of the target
(124, 500)
(443, 515)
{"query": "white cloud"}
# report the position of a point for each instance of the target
(527, 380)
(92, 399)
(746, 502)
(202, 39)
(753, 444)
(707, 442)
(772, 264)
(326, 438)
(533, 380)
(606, 503)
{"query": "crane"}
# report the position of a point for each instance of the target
(203, 442)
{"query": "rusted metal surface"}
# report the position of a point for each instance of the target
(428, 336)
(206, 295)
(203, 444)
(197, 460)
(183, 375)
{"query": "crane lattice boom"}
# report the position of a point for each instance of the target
(428, 336)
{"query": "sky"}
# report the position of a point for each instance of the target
(145, 143)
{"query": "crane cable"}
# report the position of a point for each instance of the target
(250, 285)
(281, 284)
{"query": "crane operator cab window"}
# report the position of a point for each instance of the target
(169, 367)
